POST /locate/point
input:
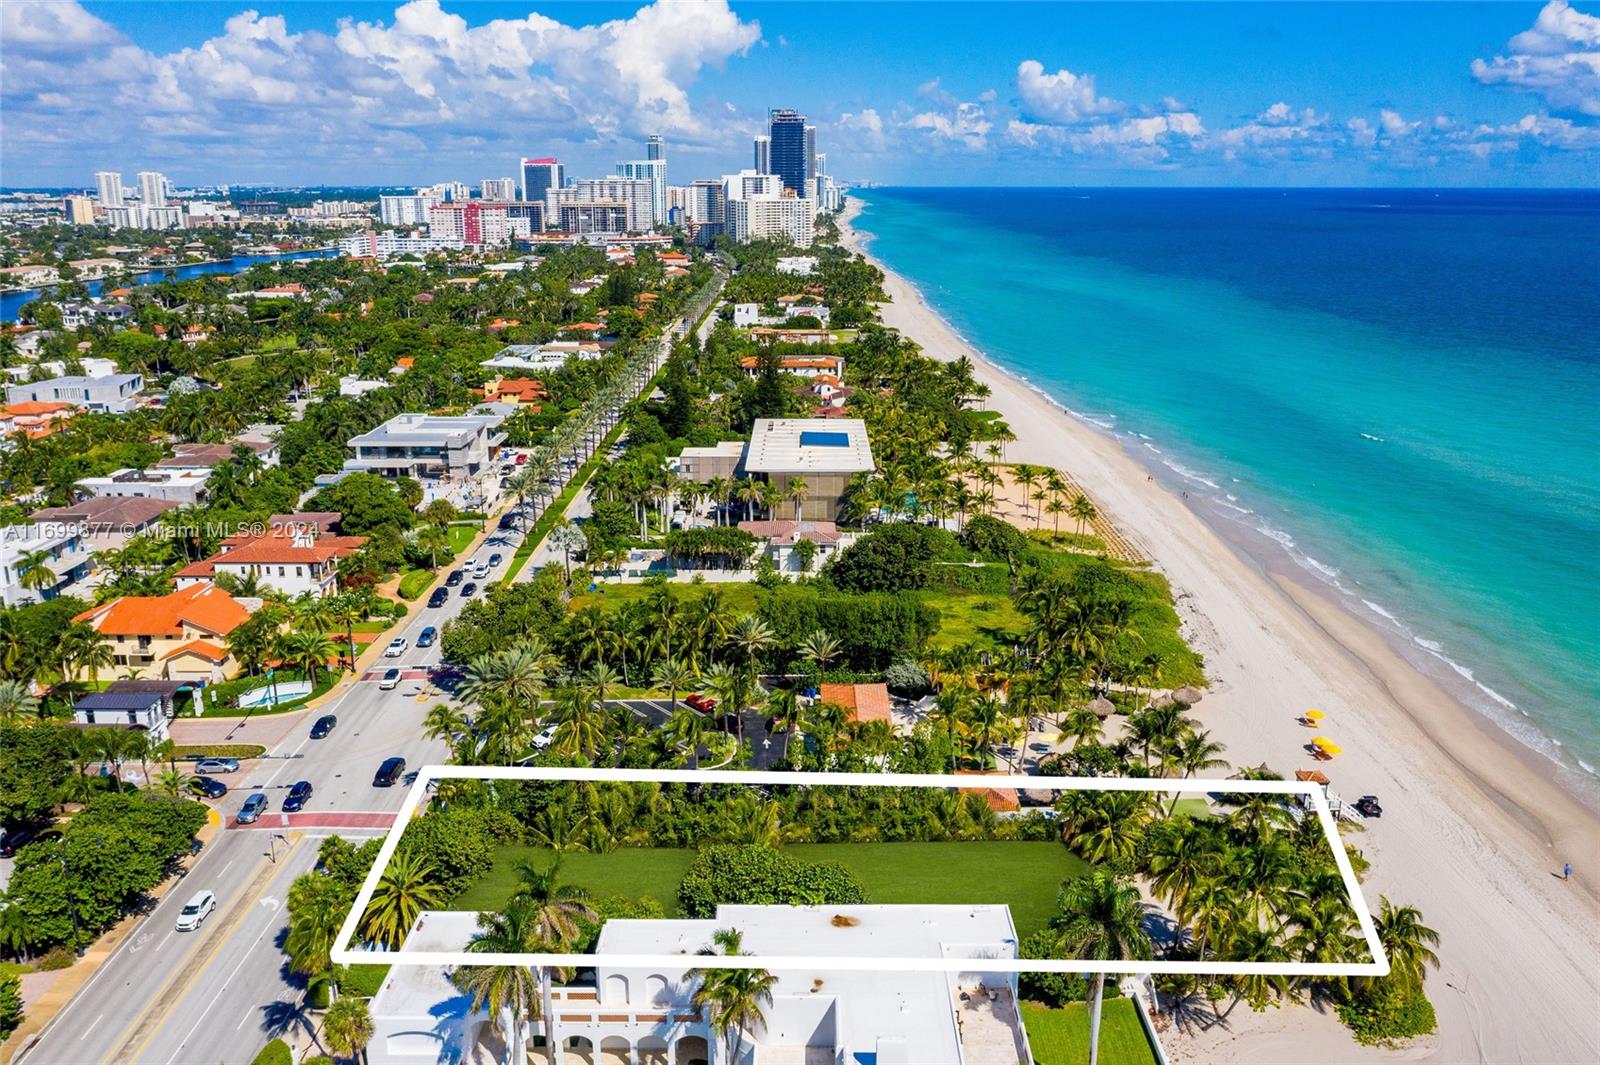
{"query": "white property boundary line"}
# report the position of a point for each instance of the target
(1379, 966)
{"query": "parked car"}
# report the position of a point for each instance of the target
(15, 840)
(701, 703)
(426, 637)
(390, 681)
(1368, 806)
(469, 590)
(217, 765)
(298, 796)
(455, 578)
(209, 787)
(196, 910)
(397, 647)
(545, 738)
(323, 726)
(253, 808)
(495, 559)
(390, 771)
(438, 598)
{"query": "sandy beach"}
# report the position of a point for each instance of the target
(1475, 830)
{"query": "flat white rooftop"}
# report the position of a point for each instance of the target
(809, 445)
(420, 991)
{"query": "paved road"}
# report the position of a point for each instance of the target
(218, 994)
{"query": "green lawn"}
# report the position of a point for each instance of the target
(740, 596)
(1024, 876)
(987, 621)
(1061, 1037)
(462, 534)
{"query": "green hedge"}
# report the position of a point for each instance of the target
(274, 1053)
(1387, 1014)
(360, 980)
(761, 876)
(414, 583)
(217, 750)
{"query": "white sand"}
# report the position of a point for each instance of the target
(1474, 831)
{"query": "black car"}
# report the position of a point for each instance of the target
(455, 578)
(210, 787)
(15, 840)
(323, 726)
(298, 796)
(508, 522)
(390, 771)
(469, 590)
(495, 559)
(1368, 806)
(439, 598)
(426, 637)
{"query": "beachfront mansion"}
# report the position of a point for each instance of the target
(819, 1016)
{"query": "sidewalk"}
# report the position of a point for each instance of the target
(68, 982)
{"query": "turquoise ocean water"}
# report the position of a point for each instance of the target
(1396, 393)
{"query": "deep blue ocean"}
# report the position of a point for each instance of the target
(1397, 392)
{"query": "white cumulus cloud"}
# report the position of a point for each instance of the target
(1061, 98)
(1558, 59)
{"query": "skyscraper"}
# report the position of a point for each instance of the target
(761, 161)
(788, 130)
(655, 147)
(110, 185)
(152, 189)
(499, 189)
(655, 172)
(811, 154)
(539, 176)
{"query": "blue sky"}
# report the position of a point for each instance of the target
(948, 93)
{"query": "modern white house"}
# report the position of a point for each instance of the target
(746, 315)
(113, 393)
(182, 486)
(551, 356)
(69, 559)
(449, 454)
(300, 560)
(818, 1016)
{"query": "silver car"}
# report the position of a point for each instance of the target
(208, 766)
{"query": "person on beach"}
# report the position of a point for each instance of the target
(1566, 871)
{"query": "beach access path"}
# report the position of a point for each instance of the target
(1475, 832)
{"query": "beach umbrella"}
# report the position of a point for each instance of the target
(1315, 715)
(1103, 707)
(1332, 748)
(1186, 696)
(1321, 741)
(1161, 702)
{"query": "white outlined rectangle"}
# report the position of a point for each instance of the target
(1379, 966)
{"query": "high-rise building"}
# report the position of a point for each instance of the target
(593, 217)
(747, 183)
(637, 194)
(811, 154)
(763, 217)
(762, 159)
(109, 183)
(655, 172)
(152, 189)
(482, 224)
(405, 210)
(79, 210)
(788, 131)
(498, 188)
(539, 176)
(655, 147)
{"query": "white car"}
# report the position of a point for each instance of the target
(545, 738)
(481, 571)
(196, 910)
(396, 648)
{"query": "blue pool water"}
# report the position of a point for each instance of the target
(1399, 390)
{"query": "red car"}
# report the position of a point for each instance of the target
(701, 703)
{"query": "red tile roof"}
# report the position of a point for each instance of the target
(204, 648)
(866, 702)
(202, 606)
(277, 548)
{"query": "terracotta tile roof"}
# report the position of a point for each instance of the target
(1000, 800)
(204, 648)
(276, 548)
(202, 606)
(34, 408)
(866, 702)
(787, 531)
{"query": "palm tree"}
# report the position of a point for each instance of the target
(1082, 726)
(505, 989)
(444, 722)
(1194, 753)
(749, 492)
(568, 538)
(317, 909)
(685, 729)
(1101, 919)
(674, 676)
(796, 491)
(555, 912)
(734, 1000)
(819, 648)
(34, 572)
(305, 649)
(170, 782)
(16, 699)
(581, 721)
(348, 1027)
(1082, 511)
(1407, 941)
(405, 889)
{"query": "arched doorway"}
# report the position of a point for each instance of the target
(652, 1050)
(692, 1050)
(578, 1051)
(614, 1051)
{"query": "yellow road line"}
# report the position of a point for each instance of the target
(144, 1029)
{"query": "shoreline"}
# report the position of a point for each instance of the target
(1475, 829)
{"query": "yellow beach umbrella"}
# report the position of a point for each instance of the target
(1332, 748)
(1322, 741)
(1315, 715)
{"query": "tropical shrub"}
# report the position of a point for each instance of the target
(1388, 1012)
(989, 536)
(274, 1053)
(10, 1003)
(459, 842)
(890, 558)
(761, 876)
